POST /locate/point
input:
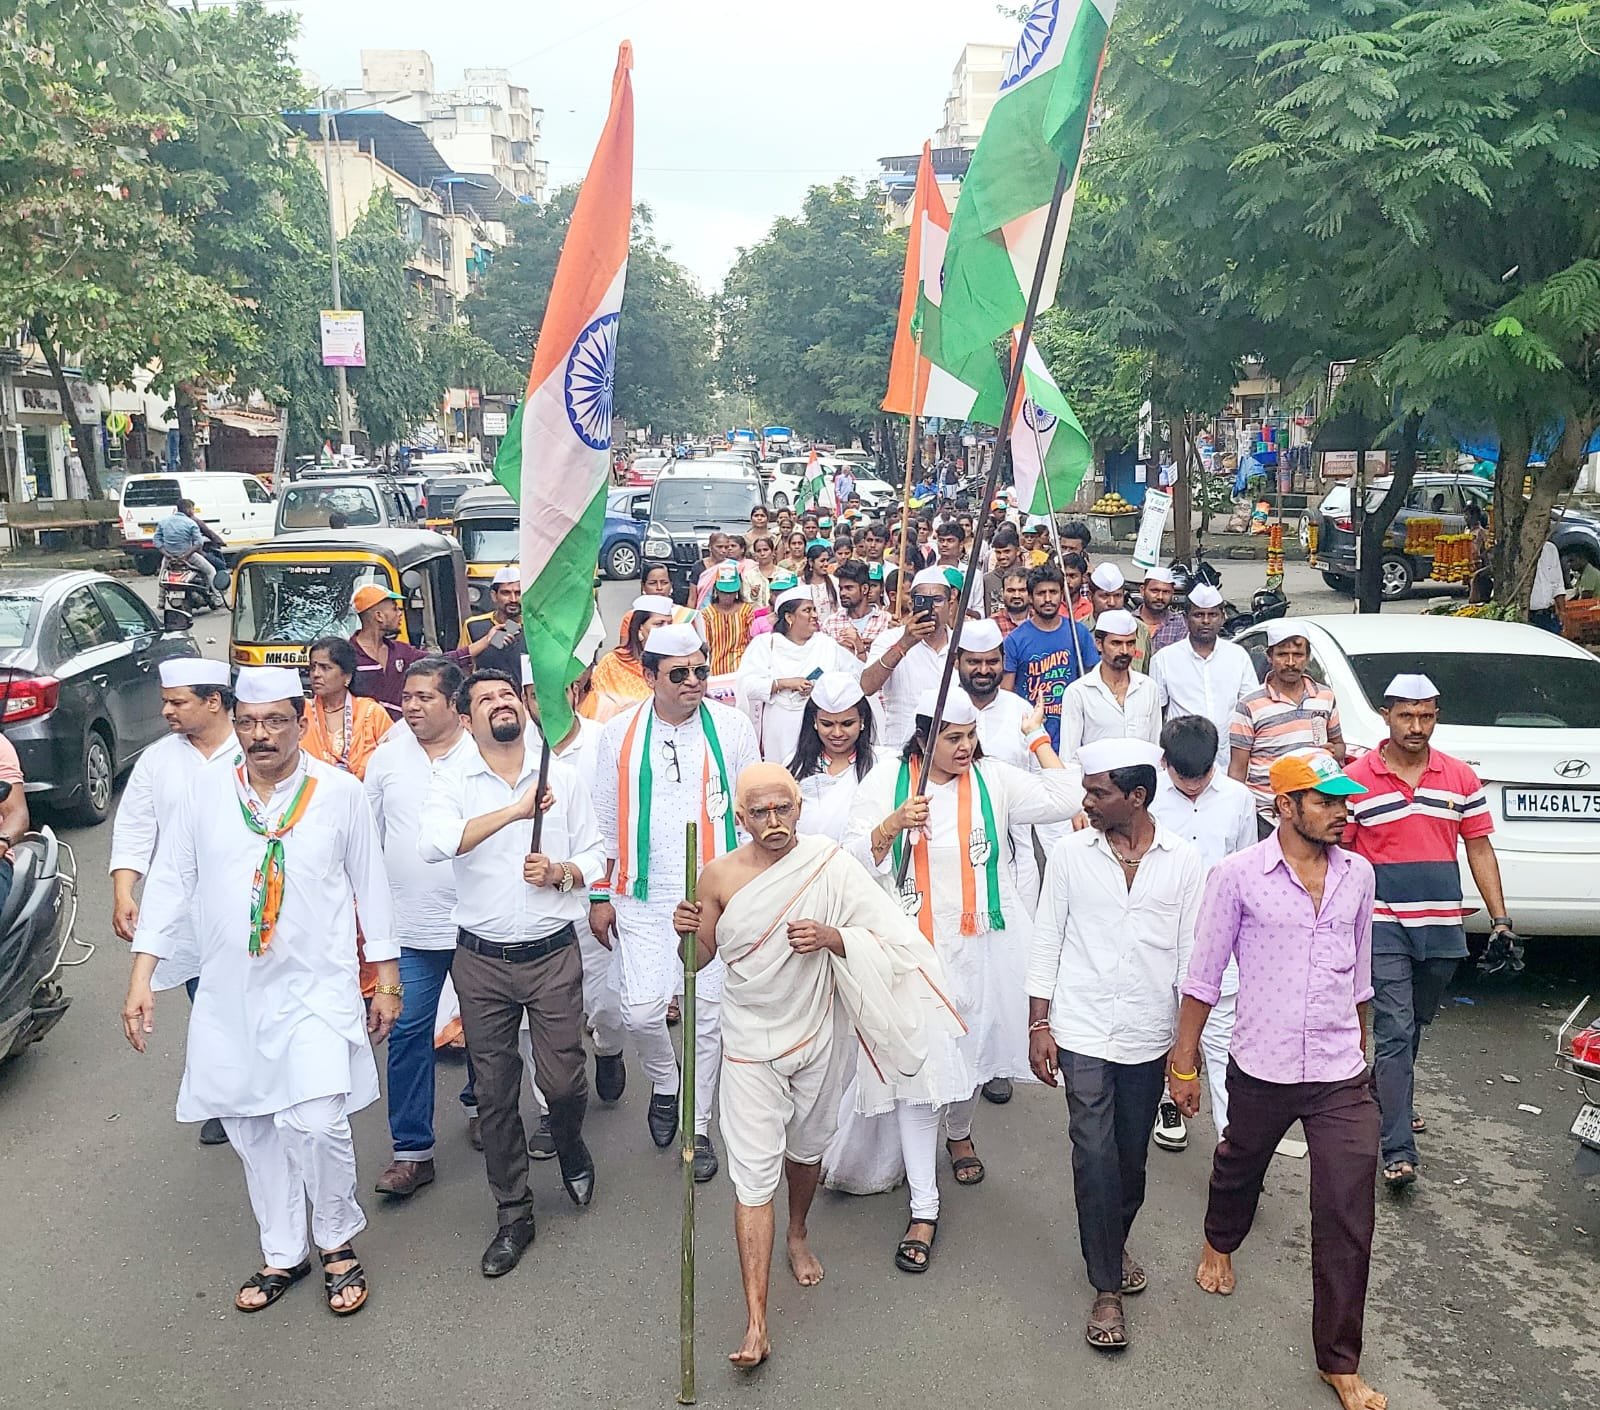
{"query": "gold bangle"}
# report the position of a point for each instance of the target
(1183, 1076)
(394, 991)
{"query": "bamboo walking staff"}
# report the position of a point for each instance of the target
(691, 945)
(1002, 452)
(905, 499)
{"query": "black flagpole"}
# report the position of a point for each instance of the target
(981, 518)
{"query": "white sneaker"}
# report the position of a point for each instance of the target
(1170, 1133)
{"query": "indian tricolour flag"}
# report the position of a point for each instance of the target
(812, 483)
(556, 457)
(1050, 454)
(918, 384)
(1037, 128)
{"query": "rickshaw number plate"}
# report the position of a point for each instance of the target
(286, 658)
(1587, 1126)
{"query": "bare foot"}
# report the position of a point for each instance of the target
(753, 1350)
(1354, 1393)
(1215, 1273)
(803, 1263)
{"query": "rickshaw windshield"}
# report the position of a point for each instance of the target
(490, 540)
(295, 603)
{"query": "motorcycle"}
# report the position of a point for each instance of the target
(182, 587)
(1578, 1053)
(1266, 605)
(36, 931)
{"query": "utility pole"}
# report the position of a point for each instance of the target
(341, 384)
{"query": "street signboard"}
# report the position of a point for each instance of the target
(344, 338)
(494, 423)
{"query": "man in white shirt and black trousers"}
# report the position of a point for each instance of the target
(1111, 946)
(516, 943)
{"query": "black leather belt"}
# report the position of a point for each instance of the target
(520, 953)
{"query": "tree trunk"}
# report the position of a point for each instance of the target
(1375, 526)
(1522, 526)
(81, 444)
(1182, 491)
(184, 399)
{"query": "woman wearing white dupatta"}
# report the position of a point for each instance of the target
(778, 671)
(834, 753)
(960, 894)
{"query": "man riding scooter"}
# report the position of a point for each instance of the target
(183, 538)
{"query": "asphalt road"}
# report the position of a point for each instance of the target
(124, 1241)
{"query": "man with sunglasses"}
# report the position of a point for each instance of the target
(666, 762)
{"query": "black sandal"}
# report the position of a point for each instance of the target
(905, 1255)
(334, 1283)
(962, 1166)
(274, 1285)
(1107, 1333)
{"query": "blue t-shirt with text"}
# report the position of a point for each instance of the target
(1050, 661)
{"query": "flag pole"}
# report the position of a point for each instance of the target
(905, 498)
(1002, 452)
(690, 941)
(543, 783)
(1055, 538)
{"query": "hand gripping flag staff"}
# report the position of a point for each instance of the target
(1010, 226)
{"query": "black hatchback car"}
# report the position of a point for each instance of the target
(80, 686)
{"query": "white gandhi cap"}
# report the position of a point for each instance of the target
(1204, 596)
(674, 639)
(259, 685)
(958, 707)
(1411, 688)
(654, 604)
(1158, 575)
(836, 691)
(1104, 755)
(931, 578)
(192, 671)
(1116, 622)
(982, 635)
(1283, 629)
(511, 573)
(1107, 577)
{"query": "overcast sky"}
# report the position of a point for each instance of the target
(739, 107)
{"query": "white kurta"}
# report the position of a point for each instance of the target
(289, 1025)
(825, 802)
(985, 971)
(920, 671)
(150, 797)
(1000, 734)
(777, 713)
(650, 966)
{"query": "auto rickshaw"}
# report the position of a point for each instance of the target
(298, 587)
(488, 526)
(440, 493)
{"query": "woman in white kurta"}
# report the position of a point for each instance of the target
(778, 670)
(964, 899)
(833, 754)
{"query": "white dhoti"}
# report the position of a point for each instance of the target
(304, 1153)
(602, 996)
(649, 969)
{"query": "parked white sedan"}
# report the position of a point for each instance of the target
(1518, 704)
(783, 490)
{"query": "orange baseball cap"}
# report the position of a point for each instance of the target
(1311, 768)
(370, 596)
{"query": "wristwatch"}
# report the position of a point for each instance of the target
(569, 878)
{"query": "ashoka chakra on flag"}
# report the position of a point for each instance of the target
(1037, 417)
(1036, 32)
(591, 380)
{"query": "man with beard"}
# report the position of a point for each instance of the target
(1156, 611)
(1108, 592)
(504, 624)
(857, 623)
(1075, 579)
(909, 659)
(382, 659)
(1014, 608)
(259, 874)
(1113, 701)
(1004, 551)
(1048, 652)
(847, 958)
(517, 911)
(1204, 675)
(1295, 912)
(1289, 712)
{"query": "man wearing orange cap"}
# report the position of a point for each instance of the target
(382, 659)
(1295, 912)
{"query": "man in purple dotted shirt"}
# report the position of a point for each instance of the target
(1295, 911)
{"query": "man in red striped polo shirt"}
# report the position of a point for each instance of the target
(1420, 805)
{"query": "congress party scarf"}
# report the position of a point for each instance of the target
(981, 849)
(635, 787)
(266, 889)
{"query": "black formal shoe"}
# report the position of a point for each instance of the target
(705, 1160)
(577, 1174)
(662, 1118)
(610, 1077)
(212, 1132)
(997, 1090)
(507, 1247)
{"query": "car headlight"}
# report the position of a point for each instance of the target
(657, 548)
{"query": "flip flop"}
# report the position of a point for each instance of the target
(274, 1285)
(1397, 1174)
(1418, 1121)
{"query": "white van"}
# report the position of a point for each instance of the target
(239, 508)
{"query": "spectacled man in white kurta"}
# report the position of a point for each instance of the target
(261, 869)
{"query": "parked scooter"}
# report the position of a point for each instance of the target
(36, 930)
(182, 586)
(1266, 605)
(1578, 1053)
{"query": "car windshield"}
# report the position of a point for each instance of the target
(703, 501)
(1515, 692)
(310, 506)
(490, 540)
(298, 602)
(149, 493)
(17, 614)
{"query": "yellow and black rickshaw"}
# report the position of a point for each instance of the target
(298, 587)
(488, 525)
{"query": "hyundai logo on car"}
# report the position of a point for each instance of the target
(1572, 768)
